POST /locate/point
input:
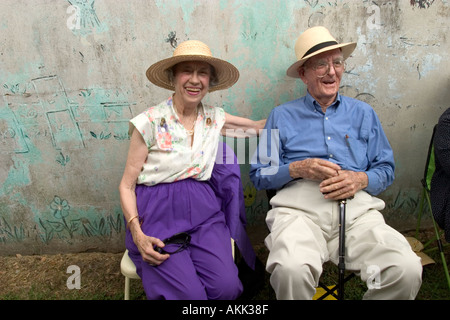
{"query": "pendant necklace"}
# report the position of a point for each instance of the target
(188, 132)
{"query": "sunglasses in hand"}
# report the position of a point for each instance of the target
(176, 243)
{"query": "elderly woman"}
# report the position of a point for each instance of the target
(172, 185)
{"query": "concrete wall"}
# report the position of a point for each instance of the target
(73, 74)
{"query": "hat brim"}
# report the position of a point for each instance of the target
(227, 74)
(347, 49)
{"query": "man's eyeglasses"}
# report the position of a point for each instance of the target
(176, 243)
(322, 68)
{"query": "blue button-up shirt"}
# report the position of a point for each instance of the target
(349, 134)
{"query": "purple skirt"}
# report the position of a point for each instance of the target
(211, 212)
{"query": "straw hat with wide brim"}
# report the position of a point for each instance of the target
(313, 41)
(193, 50)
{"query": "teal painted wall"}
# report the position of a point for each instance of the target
(73, 74)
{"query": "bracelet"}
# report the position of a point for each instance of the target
(129, 221)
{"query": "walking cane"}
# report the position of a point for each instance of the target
(341, 265)
(341, 262)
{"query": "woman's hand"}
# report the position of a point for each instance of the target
(145, 245)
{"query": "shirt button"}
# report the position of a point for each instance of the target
(329, 138)
(326, 118)
(331, 156)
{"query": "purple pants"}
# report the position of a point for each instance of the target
(205, 270)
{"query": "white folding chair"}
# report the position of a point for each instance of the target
(128, 270)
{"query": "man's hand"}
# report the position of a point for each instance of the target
(336, 184)
(344, 185)
(313, 169)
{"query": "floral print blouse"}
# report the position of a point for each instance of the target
(171, 156)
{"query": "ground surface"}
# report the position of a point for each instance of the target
(52, 277)
(47, 276)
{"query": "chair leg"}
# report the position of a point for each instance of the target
(419, 217)
(328, 292)
(127, 289)
(439, 243)
(444, 264)
(441, 252)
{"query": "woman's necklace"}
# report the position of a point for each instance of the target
(191, 131)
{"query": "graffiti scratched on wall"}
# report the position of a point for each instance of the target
(45, 126)
(48, 113)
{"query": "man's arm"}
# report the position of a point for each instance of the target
(267, 170)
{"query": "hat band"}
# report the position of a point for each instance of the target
(319, 46)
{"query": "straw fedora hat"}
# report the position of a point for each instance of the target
(193, 50)
(313, 41)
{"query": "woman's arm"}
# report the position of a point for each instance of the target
(239, 127)
(137, 155)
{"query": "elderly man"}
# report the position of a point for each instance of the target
(330, 147)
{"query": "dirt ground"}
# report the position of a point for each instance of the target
(52, 277)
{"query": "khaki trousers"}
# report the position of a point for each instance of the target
(304, 233)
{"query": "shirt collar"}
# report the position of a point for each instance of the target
(314, 105)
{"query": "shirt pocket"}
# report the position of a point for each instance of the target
(357, 152)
